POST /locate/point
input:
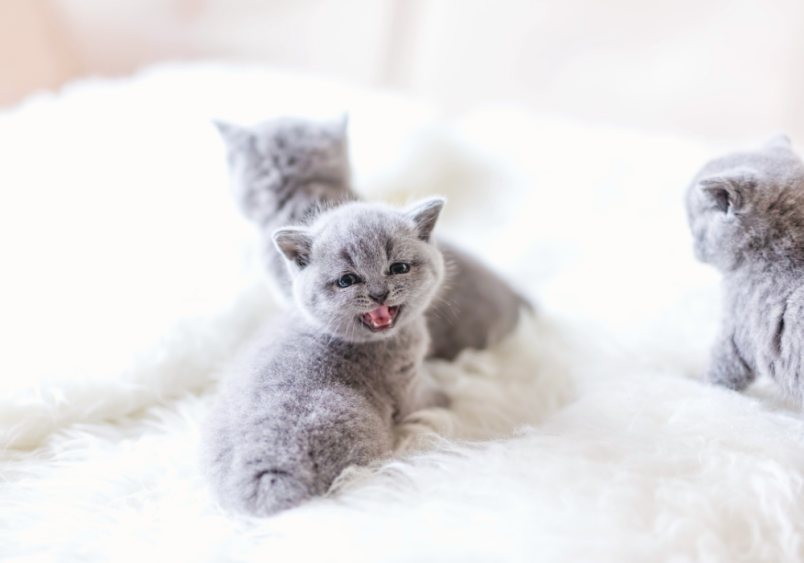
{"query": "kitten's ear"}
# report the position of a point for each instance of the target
(424, 215)
(295, 244)
(233, 135)
(729, 191)
(339, 125)
(344, 123)
(779, 141)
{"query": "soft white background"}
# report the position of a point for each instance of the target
(563, 134)
(129, 282)
(717, 69)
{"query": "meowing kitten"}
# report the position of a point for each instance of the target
(746, 213)
(284, 169)
(333, 375)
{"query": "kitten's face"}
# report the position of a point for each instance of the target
(264, 157)
(364, 270)
(748, 205)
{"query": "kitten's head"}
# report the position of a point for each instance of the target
(271, 159)
(749, 205)
(362, 270)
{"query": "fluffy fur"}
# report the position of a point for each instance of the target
(324, 389)
(746, 212)
(284, 169)
(583, 436)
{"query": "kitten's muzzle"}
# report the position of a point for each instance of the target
(379, 298)
(381, 318)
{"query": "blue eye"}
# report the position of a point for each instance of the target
(400, 268)
(348, 279)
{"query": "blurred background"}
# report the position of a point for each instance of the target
(720, 70)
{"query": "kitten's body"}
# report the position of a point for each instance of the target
(746, 211)
(303, 407)
(475, 309)
(324, 386)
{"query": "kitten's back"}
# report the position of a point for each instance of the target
(746, 214)
(475, 308)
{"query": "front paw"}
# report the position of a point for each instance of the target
(437, 398)
(735, 376)
(727, 366)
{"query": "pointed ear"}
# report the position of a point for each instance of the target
(295, 244)
(338, 126)
(424, 215)
(729, 191)
(344, 123)
(779, 141)
(233, 135)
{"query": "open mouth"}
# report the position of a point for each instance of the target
(381, 318)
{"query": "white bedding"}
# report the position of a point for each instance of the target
(129, 280)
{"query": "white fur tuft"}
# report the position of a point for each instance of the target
(130, 281)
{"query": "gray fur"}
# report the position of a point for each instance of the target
(321, 391)
(746, 213)
(282, 171)
(474, 309)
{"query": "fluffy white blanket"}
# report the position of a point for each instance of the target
(129, 281)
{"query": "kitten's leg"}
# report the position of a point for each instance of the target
(432, 396)
(262, 477)
(422, 394)
(246, 475)
(726, 366)
(295, 459)
(272, 490)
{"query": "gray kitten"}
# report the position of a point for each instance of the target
(285, 169)
(746, 212)
(332, 376)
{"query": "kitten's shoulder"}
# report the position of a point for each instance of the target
(282, 348)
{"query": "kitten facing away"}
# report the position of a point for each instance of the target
(746, 214)
(286, 169)
(327, 381)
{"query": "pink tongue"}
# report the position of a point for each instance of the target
(380, 316)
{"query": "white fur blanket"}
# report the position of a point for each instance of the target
(129, 281)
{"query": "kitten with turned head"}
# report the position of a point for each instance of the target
(746, 213)
(286, 169)
(331, 376)
(282, 171)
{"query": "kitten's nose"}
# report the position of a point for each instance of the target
(379, 298)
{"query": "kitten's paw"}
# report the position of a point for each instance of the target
(437, 398)
(727, 367)
(726, 376)
(715, 379)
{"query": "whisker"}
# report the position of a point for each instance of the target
(441, 315)
(326, 327)
(334, 333)
(447, 302)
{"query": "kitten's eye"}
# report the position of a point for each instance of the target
(291, 161)
(400, 268)
(348, 279)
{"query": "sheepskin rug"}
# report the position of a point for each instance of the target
(130, 281)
